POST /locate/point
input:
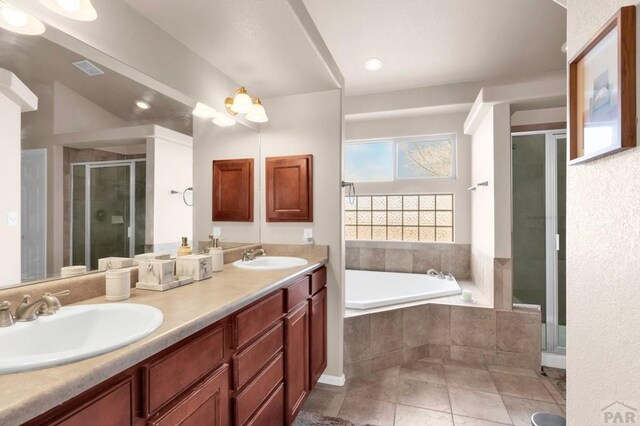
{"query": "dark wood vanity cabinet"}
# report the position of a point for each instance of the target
(255, 367)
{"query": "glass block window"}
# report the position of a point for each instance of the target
(410, 217)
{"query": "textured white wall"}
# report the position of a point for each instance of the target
(10, 190)
(211, 142)
(417, 126)
(312, 124)
(482, 199)
(603, 262)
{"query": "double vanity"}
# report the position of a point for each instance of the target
(243, 347)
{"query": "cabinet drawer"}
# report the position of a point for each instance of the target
(112, 407)
(318, 280)
(272, 412)
(258, 318)
(170, 375)
(207, 403)
(248, 362)
(297, 293)
(258, 390)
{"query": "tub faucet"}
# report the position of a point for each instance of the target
(435, 273)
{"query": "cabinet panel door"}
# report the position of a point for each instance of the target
(112, 407)
(297, 360)
(206, 404)
(232, 196)
(289, 187)
(318, 335)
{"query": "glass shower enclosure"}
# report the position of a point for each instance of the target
(538, 173)
(108, 210)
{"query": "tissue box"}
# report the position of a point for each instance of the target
(107, 263)
(197, 266)
(153, 256)
(155, 271)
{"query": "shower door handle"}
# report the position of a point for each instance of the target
(128, 232)
(557, 242)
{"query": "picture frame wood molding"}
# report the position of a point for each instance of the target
(619, 106)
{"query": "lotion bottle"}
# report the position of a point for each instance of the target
(184, 249)
(217, 256)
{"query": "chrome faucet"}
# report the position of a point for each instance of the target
(6, 318)
(436, 273)
(48, 304)
(251, 254)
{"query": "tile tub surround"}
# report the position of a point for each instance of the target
(471, 335)
(409, 257)
(435, 391)
(206, 302)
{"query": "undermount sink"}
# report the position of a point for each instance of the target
(270, 263)
(74, 333)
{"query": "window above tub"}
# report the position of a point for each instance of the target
(400, 217)
(421, 157)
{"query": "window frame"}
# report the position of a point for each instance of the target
(424, 138)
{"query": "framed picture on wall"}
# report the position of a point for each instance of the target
(602, 91)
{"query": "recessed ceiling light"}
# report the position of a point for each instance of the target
(80, 10)
(373, 64)
(14, 19)
(142, 105)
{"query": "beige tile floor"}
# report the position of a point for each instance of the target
(434, 392)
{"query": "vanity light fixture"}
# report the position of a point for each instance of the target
(240, 103)
(17, 21)
(80, 10)
(222, 120)
(373, 64)
(257, 113)
(143, 105)
(204, 111)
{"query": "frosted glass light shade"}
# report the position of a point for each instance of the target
(257, 113)
(80, 10)
(242, 103)
(15, 20)
(223, 120)
(204, 111)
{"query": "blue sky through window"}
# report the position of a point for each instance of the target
(369, 162)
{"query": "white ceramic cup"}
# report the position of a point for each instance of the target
(118, 284)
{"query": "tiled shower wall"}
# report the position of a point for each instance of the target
(466, 334)
(409, 257)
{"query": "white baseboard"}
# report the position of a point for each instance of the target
(332, 380)
(554, 360)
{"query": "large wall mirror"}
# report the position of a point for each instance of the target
(106, 166)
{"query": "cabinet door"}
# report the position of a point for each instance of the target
(289, 187)
(318, 335)
(206, 404)
(232, 198)
(296, 360)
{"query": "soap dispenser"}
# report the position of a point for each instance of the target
(184, 249)
(217, 256)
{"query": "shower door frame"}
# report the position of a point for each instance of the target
(552, 238)
(131, 231)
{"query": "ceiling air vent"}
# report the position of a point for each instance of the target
(88, 68)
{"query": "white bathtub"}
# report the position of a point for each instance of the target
(370, 289)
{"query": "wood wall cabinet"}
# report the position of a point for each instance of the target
(232, 197)
(289, 188)
(254, 367)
